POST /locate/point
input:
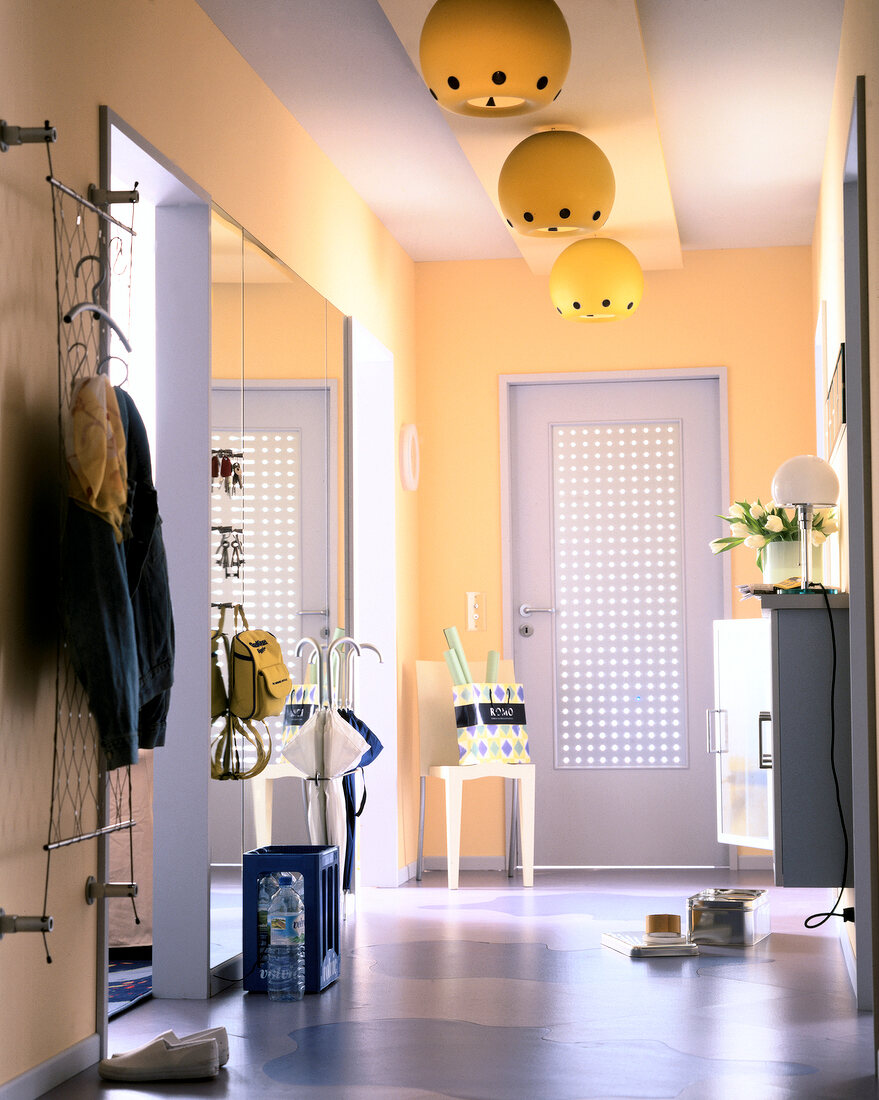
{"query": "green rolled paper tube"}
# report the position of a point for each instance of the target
(454, 642)
(454, 667)
(491, 666)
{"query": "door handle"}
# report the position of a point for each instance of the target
(526, 610)
(765, 757)
(714, 745)
(324, 612)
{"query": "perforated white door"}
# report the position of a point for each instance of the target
(288, 513)
(615, 486)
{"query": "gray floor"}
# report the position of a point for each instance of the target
(494, 991)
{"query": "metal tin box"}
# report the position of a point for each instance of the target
(730, 918)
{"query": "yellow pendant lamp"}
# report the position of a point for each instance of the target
(596, 280)
(554, 183)
(493, 58)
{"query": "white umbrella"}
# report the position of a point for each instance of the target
(321, 751)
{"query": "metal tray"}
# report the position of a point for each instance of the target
(632, 944)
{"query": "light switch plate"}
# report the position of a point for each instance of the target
(476, 611)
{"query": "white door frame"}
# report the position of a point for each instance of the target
(507, 382)
(370, 584)
(181, 946)
(506, 385)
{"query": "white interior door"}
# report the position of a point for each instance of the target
(288, 580)
(614, 489)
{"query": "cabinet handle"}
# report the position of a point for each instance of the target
(714, 745)
(764, 756)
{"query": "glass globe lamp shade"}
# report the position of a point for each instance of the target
(554, 183)
(495, 58)
(805, 480)
(596, 279)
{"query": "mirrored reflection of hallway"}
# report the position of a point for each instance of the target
(494, 991)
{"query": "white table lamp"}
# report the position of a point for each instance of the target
(805, 482)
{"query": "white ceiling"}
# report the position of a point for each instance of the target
(713, 113)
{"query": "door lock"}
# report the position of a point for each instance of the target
(526, 630)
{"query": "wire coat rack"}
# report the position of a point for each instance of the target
(90, 245)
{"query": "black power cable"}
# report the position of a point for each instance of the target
(817, 919)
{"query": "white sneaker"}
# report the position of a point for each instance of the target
(218, 1033)
(161, 1060)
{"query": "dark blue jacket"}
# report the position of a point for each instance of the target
(117, 609)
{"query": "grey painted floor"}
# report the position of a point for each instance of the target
(494, 991)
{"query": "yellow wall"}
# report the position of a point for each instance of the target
(858, 56)
(746, 310)
(165, 69)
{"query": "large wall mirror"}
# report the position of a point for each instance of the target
(241, 354)
(277, 376)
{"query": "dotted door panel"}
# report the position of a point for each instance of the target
(617, 559)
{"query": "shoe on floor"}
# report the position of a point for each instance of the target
(161, 1060)
(218, 1033)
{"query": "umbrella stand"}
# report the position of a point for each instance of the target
(327, 750)
(321, 751)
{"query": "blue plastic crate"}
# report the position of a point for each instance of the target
(319, 867)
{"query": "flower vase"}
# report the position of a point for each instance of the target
(781, 560)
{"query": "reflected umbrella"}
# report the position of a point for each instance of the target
(321, 751)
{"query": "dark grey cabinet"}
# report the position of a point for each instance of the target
(810, 709)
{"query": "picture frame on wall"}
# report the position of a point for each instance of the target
(834, 405)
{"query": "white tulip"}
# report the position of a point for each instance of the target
(755, 542)
(774, 524)
(717, 546)
(740, 530)
(771, 506)
(737, 510)
(829, 526)
(757, 511)
(818, 538)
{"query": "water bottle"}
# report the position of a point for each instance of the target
(286, 953)
(267, 887)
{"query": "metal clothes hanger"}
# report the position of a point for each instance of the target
(97, 311)
(107, 359)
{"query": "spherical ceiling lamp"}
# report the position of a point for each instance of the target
(494, 58)
(596, 280)
(556, 182)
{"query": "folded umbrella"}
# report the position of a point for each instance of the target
(352, 811)
(322, 750)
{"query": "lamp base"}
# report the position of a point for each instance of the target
(794, 587)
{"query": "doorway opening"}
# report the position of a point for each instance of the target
(169, 376)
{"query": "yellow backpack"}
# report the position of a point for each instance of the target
(259, 680)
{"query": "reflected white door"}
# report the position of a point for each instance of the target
(288, 511)
(615, 486)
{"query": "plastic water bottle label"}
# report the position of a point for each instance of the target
(287, 929)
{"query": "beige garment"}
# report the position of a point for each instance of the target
(95, 448)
